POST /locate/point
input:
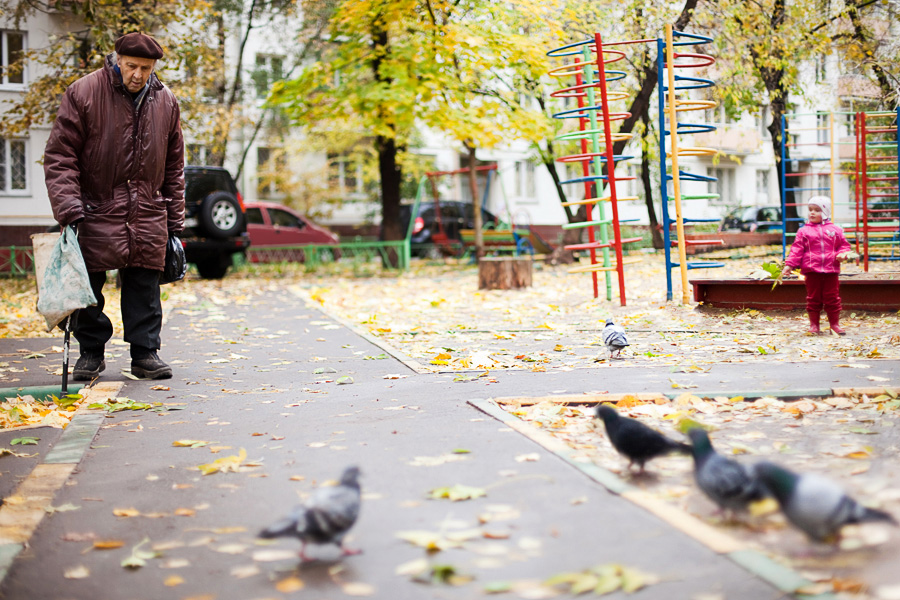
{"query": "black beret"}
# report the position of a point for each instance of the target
(140, 45)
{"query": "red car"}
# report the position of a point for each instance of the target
(272, 226)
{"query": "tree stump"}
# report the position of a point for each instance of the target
(504, 273)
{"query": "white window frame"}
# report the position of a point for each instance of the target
(6, 165)
(4, 61)
(762, 182)
(526, 185)
(272, 191)
(263, 63)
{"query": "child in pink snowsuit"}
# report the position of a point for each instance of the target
(819, 247)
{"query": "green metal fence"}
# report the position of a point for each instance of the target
(16, 261)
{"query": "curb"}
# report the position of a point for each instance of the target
(22, 512)
(394, 352)
(753, 561)
(39, 392)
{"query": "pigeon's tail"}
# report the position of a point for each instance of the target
(873, 514)
(680, 447)
(280, 529)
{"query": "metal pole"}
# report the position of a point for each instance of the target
(65, 373)
(676, 183)
(610, 171)
(663, 178)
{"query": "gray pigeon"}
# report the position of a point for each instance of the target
(634, 440)
(614, 338)
(814, 504)
(325, 517)
(726, 482)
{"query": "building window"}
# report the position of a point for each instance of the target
(270, 172)
(823, 128)
(11, 53)
(269, 69)
(525, 179)
(345, 174)
(762, 183)
(821, 68)
(195, 154)
(13, 166)
(723, 186)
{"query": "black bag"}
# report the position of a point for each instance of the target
(176, 265)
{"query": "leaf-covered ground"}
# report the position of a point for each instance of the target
(852, 440)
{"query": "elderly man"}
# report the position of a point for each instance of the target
(114, 169)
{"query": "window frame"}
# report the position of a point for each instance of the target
(6, 165)
(4, 61)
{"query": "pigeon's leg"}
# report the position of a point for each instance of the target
(303, 556)
(349, 551)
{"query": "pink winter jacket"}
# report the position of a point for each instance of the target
(816, 247)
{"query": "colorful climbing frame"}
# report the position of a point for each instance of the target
(596, 140)
(668, 61)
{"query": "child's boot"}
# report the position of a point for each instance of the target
(814, 316)
(834, 321)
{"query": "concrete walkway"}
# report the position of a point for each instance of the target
(265, 378)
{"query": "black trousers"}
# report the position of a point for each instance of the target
(141, 312)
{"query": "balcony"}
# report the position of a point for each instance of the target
(730, 140)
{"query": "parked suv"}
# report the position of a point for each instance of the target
(455, 215)
(215, 228)
(752, 218)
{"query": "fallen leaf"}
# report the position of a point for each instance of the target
(289, 584)
(356, 588)
(225, 464)
(79, 572)
(173, 580)
(108, 544)
(457, 492)
(126, 512)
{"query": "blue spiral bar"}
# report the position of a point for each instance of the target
(556, 52)
(700, 81)
(693, 36)
(688, 128)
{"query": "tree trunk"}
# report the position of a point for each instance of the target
(389, 170)
(476, 203)
(504, 272)
(215, 155)
(655, 231)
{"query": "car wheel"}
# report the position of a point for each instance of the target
(214, 268)
(221, 215)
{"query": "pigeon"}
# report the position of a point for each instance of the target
(614, 338)
(814, 504)
(728, 483)
(325, 517)
(634, 440)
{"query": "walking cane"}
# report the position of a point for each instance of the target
(65, 379)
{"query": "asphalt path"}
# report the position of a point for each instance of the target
(304, 397)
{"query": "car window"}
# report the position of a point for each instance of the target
(200, 184)
(450, 211)
(254, 216)
(283, 218)
(769, 214)
(749, 214)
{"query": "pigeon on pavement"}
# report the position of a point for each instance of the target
(814, 504)
(614, 338)
(325, 517)
(726, 482)
(634, 440)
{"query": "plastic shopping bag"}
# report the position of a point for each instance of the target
(64, 287)
(176, 265)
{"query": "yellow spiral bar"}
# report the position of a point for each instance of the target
(576, 66)
(630, 260)
(586, 134)
(697, 151)
(688, 105)
(596, 200)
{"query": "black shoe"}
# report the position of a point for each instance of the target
(150, 367)
(88, 366)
